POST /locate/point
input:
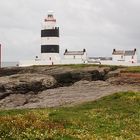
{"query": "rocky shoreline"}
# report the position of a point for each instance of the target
(52, 86)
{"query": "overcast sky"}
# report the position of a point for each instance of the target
(97, 25)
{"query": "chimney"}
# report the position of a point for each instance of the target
(65, 51)
(114, 50)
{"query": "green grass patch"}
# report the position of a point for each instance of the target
(113, 117)
(132, 69)
(79, 66)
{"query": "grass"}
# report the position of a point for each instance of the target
(133, 69)
(115, 117)
(70, 65)
(79, 66)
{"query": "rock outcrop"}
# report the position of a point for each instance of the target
(79, 92)
(24, 83)
(49, 86)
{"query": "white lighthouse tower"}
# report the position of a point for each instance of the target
(50, 40)
(50, 47)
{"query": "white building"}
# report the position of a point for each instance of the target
(50, 52)
(50, 40)
(75, 54)
(125, 56)
(74, 57)
(49, 44)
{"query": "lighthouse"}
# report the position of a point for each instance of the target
(50, 51)
(50, 40)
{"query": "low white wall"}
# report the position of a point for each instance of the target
(71, 61)
(44, 62)
(36, 62)
(119, 63)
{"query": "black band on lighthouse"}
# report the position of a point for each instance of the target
(50, 33)
(49, 48)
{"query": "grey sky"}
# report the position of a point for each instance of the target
(97, 25)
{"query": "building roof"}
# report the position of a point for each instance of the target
(129, 53)
(118, 52)
(74, 52)
(125, 53)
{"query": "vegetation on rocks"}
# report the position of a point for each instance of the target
(132, 69)
(113, 117)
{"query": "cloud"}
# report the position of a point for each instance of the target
(97, 25)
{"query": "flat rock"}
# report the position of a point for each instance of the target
(23, 83)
